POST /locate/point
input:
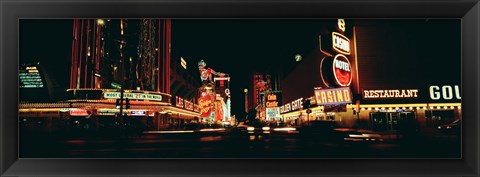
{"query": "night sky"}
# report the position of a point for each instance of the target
(241, 47)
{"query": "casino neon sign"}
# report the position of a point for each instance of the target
(340, 43)
(333, 96)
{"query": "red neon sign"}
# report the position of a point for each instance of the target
(205, 105)
(342, 70)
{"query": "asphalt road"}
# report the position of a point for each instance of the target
(226, 145)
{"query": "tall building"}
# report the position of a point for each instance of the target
(121, 71)
(263, 84)
(134, 53)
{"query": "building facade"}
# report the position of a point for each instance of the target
(122, 71)
(354, 80)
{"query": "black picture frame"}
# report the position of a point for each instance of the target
(11, 11)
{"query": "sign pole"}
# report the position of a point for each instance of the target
(121, 106)
(358, 113)
(308, 116)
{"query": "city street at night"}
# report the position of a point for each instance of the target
(232, 88)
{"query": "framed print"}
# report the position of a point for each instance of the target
(239, 88)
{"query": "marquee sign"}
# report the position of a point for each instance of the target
(335, 96)
(133, 96)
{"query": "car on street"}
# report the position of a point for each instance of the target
(331, 131)
(453, 128)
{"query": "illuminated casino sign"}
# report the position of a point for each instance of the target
(445, 92)
(273, 100)
(333, 96)
(340, 43)
(387, 94)
(341, 70)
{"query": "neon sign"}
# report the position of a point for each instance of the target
(378, 94)
(341, 25)
(333, 96)
(340, 43)
(446, 92)
(205, 105)
(292, 106)
(183, 63)
(341, 70)
(272, 100)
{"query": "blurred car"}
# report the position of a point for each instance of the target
(282, 129)
(211, 129)
(330, 131)
(241, 127)
(452, 128)
(258, 128)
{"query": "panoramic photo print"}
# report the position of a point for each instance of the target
(240, 88)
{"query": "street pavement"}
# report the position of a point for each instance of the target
(180, 144)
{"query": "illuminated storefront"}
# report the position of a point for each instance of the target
(153, 108)
(343, 86)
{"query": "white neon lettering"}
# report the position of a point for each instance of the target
(342, 65)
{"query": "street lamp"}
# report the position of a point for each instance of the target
(298, 57)
(246, 99)
(100, 22)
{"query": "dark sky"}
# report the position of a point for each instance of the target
(240, 47)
